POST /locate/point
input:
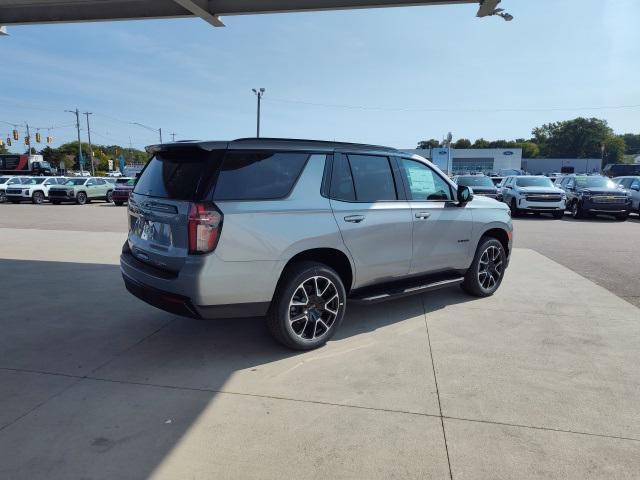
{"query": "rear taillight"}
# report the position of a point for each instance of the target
(205, 224)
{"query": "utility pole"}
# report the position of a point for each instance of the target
(160, 131)
(173, 137)
(76, 112)
(259, 93)
(93, 172)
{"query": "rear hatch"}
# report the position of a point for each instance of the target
(176, 178)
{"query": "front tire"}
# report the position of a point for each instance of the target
(37, 198)
(576, 210)
(81, 198)
(3, 197)
(308, 306)
(487, 270)
(514, 209)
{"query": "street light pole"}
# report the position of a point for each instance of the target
(76, 112)
(93, 172)
(259, 93)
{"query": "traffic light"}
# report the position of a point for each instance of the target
(38, 137)
(49, 139)
(8, 141)
(15, 134)
(27, 140)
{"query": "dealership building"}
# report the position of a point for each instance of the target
(471, 160)
(502, 161)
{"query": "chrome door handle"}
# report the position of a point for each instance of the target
(423, 215)
(354, 218)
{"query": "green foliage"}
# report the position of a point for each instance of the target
(632, 143)
(614, 148)
(529, 149)
(425, 144)
(578, 138)
(480, 143)
(462, 143)
(3, 148)
(68, 153)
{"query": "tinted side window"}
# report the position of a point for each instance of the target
(372, 178)
(341, 180)
(424, 183)
(258, 175)
(100, 181)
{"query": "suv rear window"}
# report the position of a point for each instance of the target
(178, 174)
(258, 175)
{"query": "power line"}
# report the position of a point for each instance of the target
(448, 110)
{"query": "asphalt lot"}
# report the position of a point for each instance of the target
(539, 381)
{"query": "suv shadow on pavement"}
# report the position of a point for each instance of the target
(89, 369)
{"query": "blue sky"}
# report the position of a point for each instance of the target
(408, 73)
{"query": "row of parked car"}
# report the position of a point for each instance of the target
(581, 195)
(57, 190)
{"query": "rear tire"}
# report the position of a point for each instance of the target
(109, 197)
(81, 198)
(308, 306)
(487, 270)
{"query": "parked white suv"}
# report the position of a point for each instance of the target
(6, 182)
(33, 189)
(533, 193)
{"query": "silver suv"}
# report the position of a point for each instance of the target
(291, 229)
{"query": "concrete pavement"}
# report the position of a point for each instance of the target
(539, 381)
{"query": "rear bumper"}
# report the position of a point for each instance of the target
(213, 289)
(180, 305)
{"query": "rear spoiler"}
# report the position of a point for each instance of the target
(186, 144)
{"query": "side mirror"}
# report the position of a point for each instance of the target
(465, 195)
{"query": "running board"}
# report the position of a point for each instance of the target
(392, 291)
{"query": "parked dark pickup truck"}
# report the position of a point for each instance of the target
(596, 195)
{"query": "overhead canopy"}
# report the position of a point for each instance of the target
(19, 12)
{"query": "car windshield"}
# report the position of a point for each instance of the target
(475, 181)
(33, 181)
(594, 182)
(75, 181)
(533, 182)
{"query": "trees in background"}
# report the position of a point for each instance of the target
(67, 153)
(577, 138)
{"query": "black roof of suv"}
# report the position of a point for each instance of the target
(271, 143)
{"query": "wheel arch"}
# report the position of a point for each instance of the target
(332, 257)
(500, 234)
